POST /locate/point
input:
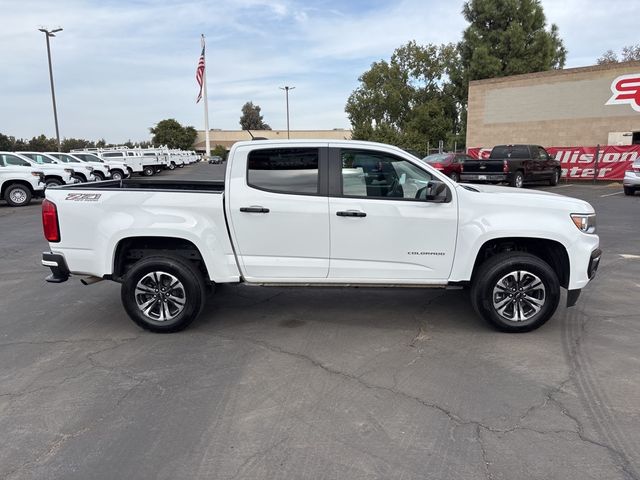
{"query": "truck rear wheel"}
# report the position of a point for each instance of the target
(17, 195)
(163, 294)
(116, 175)
(518, 180)
(515, 292)
(148, 171)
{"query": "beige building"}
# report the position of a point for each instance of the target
(227, 138)
(571, 107)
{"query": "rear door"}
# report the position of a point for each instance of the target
(278, 211)
(382, 228)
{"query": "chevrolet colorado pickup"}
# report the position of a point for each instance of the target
(513, 164)
(318, 213)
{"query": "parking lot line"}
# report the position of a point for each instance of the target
(611, 194)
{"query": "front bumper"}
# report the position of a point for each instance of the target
(592, 268)
(58, 265)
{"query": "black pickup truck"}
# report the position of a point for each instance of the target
(513, 164)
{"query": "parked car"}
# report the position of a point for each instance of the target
(216, 160)
(100, 171)
(117, 170)
(81, 171)
(322, 213)
(19, 183)
(448, 163)
(515, 165)
(54, 173)
(631, 180)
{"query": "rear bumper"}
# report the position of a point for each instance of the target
(58, 265)
(631, 179)
(484, 177)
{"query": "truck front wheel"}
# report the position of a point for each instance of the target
(17, 195)
(163, 294)
(515, 292)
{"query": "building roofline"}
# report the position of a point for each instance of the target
(557, 72)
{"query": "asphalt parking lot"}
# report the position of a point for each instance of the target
(319, 383)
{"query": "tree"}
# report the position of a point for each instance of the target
(629, 53)
(42, 144)
(406, 101)
(6, 143)
(507, 38)
(251, 118)
(69, 144)
(169, 132)
(219, 151)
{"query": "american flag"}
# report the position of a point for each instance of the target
(200, 73)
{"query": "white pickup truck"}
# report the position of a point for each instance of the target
(318, 213)
(19, 183)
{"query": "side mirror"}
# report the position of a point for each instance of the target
(434, 192)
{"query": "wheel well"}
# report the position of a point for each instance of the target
(81, 175)
(550, 251)
(56, 177)
(131, 250)
(14, 182)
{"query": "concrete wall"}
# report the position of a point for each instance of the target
(227, 138)
(557, 108)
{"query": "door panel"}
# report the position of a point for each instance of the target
(401, 239)
(277, 232)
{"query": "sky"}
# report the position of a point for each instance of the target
(120, 66)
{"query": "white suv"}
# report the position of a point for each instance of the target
(118, 170)
(96, 172)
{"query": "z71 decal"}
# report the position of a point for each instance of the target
(83, 197)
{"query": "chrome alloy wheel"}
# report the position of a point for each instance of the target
(18, 195)
(518, 296)
(160, 296)
(519, 181)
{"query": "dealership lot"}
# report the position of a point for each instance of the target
(319, 383)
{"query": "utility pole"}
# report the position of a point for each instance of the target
(286, 89)
(47, 34)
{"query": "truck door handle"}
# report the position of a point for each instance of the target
(254, 209)
(351, 213)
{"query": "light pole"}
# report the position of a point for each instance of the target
(286, 90)
(47, 34)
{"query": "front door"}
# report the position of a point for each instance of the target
(279, 212)
(383, 230)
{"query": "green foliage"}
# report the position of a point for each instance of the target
(6, 143)
(251, 118)
(69, 144)
(508, 37)
(43, 144)
(219, 151)
(630, 53)
(407, 101)
(169, 132)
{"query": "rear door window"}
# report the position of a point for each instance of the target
(284, 170)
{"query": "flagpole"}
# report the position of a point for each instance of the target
(206, 107)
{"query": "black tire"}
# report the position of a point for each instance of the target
(99, 176)
(53, 182)
(555, 179)
(454, 176)
(79, 178)
(17, 195)
(148, 171)
(517, 181)
(172, 166)
(629, 190)
(117, 175)
(192, 290)
(485, 292)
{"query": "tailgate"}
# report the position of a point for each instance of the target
(483, 166)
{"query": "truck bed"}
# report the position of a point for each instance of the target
(153, 184)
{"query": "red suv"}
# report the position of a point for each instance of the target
(448, 163)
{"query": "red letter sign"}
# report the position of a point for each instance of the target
(626, 89)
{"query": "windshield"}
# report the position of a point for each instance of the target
(88, 157)
(66, 158)
(38, 158)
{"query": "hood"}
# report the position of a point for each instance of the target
(495, 195)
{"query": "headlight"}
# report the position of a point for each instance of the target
(69, 171)
(90, 168)
(586, 223)
(36, 174)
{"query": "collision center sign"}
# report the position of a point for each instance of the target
(579, 163)
(625, 89)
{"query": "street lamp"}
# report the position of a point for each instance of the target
(286, 89)
(47, 34)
